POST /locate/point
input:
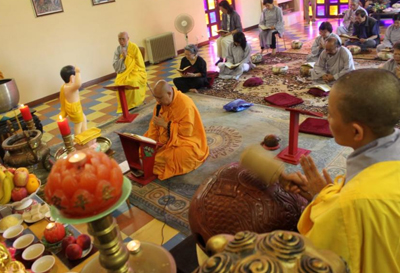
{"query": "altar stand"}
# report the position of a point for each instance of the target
(293, 153)
(126, 116)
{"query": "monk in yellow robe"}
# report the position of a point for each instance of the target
(179, 127)
(358, 215)
(130, 69)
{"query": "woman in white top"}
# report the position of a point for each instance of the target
(231, 24)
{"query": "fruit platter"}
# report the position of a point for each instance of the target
(17, 186)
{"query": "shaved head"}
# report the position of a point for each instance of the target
(163, 92)
(370, 97)
(123, 38)
(331, 45)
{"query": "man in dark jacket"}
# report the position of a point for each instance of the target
(367, 31)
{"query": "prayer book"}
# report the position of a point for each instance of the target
(349, 37)
(263, 27)
(231, 65)
(187, 69)
(222, 31)
(309, 64)
(323, 87)
(142, 138)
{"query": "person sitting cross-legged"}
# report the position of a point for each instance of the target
(238, 55)
(366, 29)
(334, 61)
(195, 75)
(392, 34)
(393, 65)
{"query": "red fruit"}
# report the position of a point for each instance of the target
(83, 241)
(18, 194)
(73, 252)
(54, 233)
(21, 177)
(67, 241)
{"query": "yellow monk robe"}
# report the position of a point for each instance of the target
(359, 221)
(186, 148)
(134, 75)
(72, 110)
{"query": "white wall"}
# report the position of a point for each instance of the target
(249, 11)
(33, 50)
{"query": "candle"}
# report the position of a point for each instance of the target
(133, 246)
(50, 226)
(78, 159)
(63, 126)
(26, 113)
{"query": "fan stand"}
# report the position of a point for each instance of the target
(187, 39)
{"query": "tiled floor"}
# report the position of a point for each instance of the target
(100, 105)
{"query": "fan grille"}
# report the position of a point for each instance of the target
(184, 23)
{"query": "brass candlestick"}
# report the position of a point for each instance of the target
(30, 124)
(69, 143)
(113, 254)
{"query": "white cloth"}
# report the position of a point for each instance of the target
(223, 44)
(336, 65)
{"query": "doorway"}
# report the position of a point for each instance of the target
(213, 16)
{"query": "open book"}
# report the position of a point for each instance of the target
(309, 64)
(349, 37)
(187, 69)
(139, 137)
(263, 27)
(231, 65)
(323, 87)
(222, 31)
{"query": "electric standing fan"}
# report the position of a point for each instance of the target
(184, 23)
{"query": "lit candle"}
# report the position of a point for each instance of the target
(133, 246)
(78, 159)
(26, 113)
(63, 126)
(50, 226)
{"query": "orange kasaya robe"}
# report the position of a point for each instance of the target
(186, 148)
(134, 75)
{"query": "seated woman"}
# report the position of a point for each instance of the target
(392, 34)
(325, 32)
(230, 25)
(271, 23)
(238, 56)
(194, 75)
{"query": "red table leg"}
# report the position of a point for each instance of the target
(292, 153)
(126, 116)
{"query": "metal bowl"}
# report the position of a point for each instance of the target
(9, 95)
(104, 145)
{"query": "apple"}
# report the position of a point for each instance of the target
(73, 252)
(83, 241)
(11, 170)
(21, 177)
(67, 241)
(18, 194)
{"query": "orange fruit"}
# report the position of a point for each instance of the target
(33, 184)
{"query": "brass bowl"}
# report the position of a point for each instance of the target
(104, 143)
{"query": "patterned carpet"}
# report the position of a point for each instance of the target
(291, 82)
(227, 135)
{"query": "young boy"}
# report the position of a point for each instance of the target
(69, 98)
(358, 215)
(393, 65)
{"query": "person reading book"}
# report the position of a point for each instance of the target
(178, 126)
(349, 18)
(238, 59)
(230, 25)
(325, 32)
(193, 70)
(393, 65)
(357, 215)
(392, 34)
(366, 29)
(70, 101)
(334, 61)
(271, 23)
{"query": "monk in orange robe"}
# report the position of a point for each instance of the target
(179, 127)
